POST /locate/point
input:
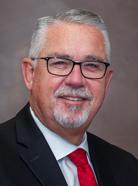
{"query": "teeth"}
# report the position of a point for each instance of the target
(73, 99)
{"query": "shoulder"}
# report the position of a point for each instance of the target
(7, 139)
(7, 126)
(110, 151)
(114, 160)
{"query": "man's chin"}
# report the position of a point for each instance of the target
(72, 118)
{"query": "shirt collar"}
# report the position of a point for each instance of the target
(59, 146)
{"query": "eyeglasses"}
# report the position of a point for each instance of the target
(63, 67)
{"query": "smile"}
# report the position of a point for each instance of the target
(73, 98)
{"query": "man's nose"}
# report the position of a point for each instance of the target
(75, 78)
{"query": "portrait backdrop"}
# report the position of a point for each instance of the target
(117, 121)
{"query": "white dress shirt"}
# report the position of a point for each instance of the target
(61, 148)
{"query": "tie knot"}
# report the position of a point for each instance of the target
(78, 157)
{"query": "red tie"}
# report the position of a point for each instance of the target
(85, 173)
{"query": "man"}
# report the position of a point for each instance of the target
(67, 73)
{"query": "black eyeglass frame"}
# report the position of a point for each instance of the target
(74, 63)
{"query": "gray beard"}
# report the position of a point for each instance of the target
(74, 116)
(67, 120)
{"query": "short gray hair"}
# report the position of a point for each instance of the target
(72, 16)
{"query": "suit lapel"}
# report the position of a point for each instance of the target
(35, 151)
(100, 162)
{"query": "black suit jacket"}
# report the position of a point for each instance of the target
(27, 160)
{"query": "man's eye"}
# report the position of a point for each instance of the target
(92, 66)
(58, 64)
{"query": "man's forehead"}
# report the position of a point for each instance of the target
(63, 26)
(67, 39)
(72, 31)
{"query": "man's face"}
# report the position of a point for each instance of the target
(70, 101)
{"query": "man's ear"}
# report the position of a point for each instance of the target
(108, 79)
(27, 71)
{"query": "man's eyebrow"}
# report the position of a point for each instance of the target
(59, 55)
(94, 58)
(85, 58)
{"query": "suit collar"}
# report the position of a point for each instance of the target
(34, 150)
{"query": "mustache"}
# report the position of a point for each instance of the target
(75, 92)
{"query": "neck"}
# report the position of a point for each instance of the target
(72, 137)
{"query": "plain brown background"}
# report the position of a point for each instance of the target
(117, 121)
